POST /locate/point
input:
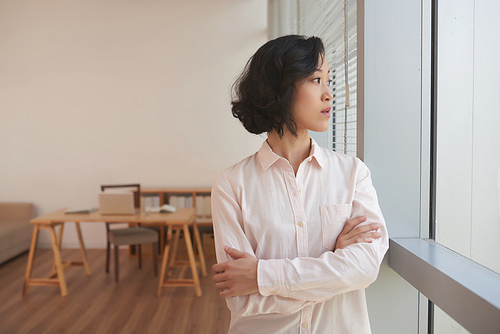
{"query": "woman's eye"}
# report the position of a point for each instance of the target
(317, 80)
(330, 82)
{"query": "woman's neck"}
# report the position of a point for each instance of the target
(294, 149)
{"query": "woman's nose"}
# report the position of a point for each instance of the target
(328, 95)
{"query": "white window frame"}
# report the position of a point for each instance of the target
(465, 290)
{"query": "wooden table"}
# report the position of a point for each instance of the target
(162, 191)
(180, 220)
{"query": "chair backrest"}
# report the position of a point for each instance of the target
(135, 187)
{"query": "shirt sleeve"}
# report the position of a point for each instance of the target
(228, 231)
(352, 268)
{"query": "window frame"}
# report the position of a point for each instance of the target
(465, 290)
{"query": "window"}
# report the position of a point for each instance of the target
(336, 23)
(468, 140)
(467, 217)
(458, 270)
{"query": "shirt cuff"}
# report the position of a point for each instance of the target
(270, 277)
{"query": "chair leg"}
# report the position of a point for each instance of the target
(107, 257)
(107, 248)
(155, 258)
(116, 263)
(140, 255)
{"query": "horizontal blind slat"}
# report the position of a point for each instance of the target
(325, 19)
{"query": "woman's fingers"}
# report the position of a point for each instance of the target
(354, 233)
(365, 228)
(351, 224)
(218, 268)
(236, 277)
(234, 253)
(363, 237)
(221, 285)
(218, 277)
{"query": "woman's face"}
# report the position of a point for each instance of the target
(311, 109)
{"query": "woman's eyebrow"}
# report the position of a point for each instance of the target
(320, 70)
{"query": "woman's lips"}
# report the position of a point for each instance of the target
(326, 111)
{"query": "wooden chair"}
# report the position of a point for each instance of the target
(130, 236)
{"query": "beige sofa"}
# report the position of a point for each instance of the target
(15, 229)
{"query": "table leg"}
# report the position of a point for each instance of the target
(164, 260)
(31, 257)
(59, 243)
(162, 238)
(192, 260)
(82, 249)
(197, 239)
(58, 262)
(59, 236)
(174, 249)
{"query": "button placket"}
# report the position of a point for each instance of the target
(302, 233)
(302, 239)
(305, 320)
(297, 208)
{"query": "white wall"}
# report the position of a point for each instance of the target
(114, 91)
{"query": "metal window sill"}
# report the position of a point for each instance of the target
(465, 290)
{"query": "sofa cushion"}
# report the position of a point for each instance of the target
(12, 234)
(16, 212)
(15, 229)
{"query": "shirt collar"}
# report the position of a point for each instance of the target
(267, 157)
(317, 153)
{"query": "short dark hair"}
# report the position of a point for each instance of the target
(263, 95)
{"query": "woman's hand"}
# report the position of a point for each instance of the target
(237, 277)
(352, 233)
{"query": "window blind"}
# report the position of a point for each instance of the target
(335, 22)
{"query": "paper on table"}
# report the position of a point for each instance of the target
(80, 211)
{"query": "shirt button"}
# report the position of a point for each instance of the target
(309, 159)
(304, 325)
(300, 224)
(300, 190)
(273, 292)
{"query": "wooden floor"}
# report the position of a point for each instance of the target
(97, 304)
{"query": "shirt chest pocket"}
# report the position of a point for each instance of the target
(333, 218)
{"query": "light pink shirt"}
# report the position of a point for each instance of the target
(291, 223)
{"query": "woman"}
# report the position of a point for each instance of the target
(298, 230)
